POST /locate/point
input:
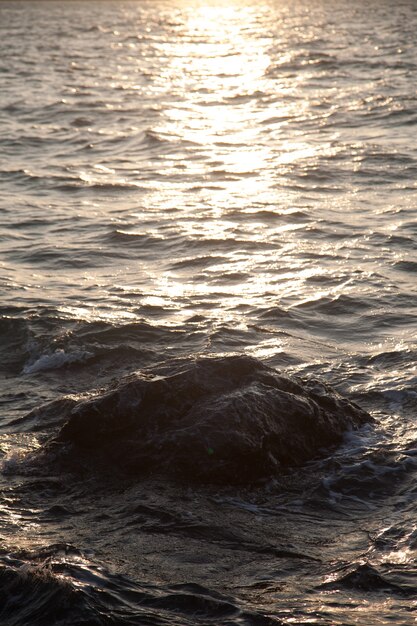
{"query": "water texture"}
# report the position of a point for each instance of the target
(208, 252)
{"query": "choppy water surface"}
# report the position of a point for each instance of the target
(191, 180)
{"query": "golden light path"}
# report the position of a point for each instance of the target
(224, 112)
(216, 70)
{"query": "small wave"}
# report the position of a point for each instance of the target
(273, 313)
(133, 238)
(14, 335)
(23, 176)
(60, 585)
(391, 358)
(303, 61)
(228, 278)
(104, 333)
(56, 360)
(338, 305)
(364, 577)
(243, 98)
(406, 266)
(269, 215)
(199, 261)
(104, 187)
(154, 138)
(402, 241)
(80, 122)
(372, 476)
(400, 398)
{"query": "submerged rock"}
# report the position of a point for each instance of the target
(230, 419)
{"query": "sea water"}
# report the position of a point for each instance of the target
(188, 180)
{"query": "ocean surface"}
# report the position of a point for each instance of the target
(208, 312)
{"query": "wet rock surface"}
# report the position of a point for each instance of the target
(220, 420)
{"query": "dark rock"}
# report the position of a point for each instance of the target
(229, 419)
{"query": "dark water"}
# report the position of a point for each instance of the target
(191, 195)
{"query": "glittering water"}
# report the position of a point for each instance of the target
(193, 179)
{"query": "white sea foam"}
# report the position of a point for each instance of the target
(55, 360)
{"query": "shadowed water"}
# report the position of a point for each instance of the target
(208, 312)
